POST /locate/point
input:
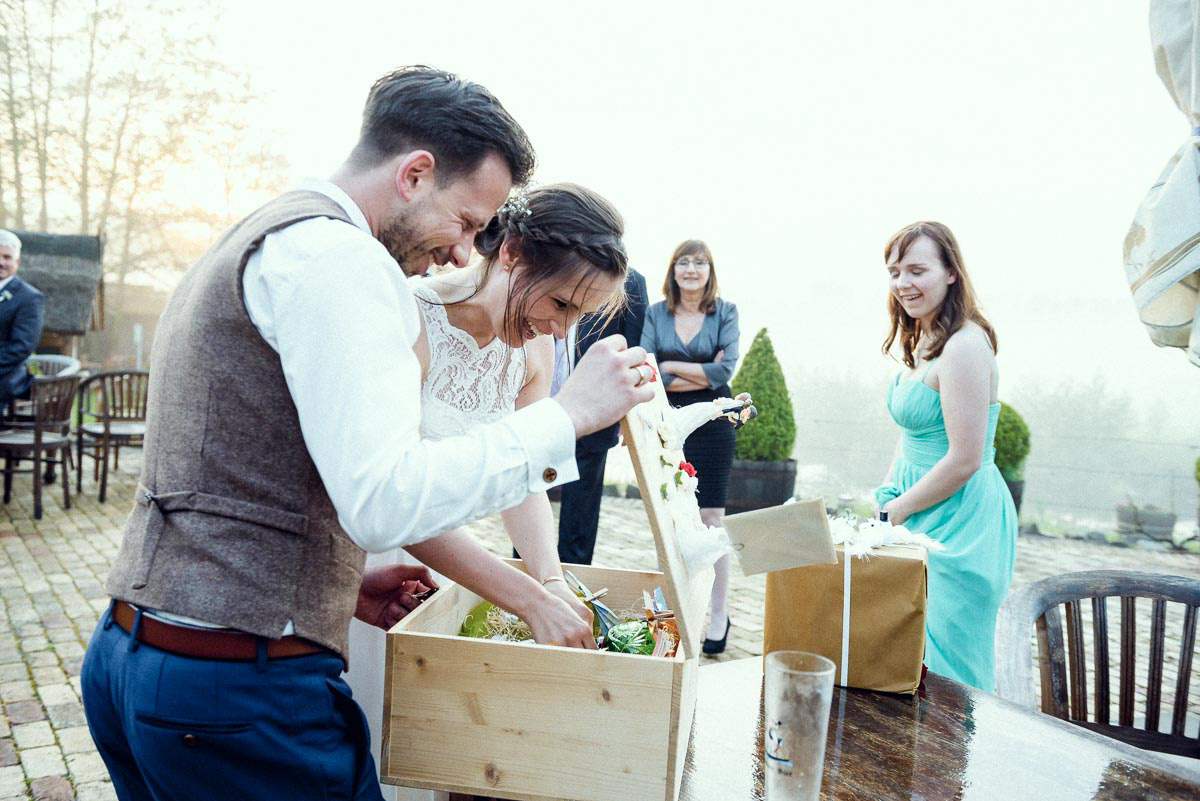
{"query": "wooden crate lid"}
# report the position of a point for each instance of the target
(671, 517)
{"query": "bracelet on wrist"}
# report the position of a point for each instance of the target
(548, 579)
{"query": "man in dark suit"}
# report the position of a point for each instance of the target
(579, 514)
(21, 313)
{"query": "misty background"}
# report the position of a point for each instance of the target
(793, 139)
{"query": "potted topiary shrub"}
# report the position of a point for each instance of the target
(764, 474)
(1012, 446)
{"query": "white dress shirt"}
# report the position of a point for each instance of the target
(564, 360)
(334, 304)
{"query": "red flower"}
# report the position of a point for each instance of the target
(687, 468)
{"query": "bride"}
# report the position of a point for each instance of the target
(485, 349)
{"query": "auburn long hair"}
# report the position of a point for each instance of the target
(694, 248)
(957, 307)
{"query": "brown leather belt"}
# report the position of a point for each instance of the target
(198, 643)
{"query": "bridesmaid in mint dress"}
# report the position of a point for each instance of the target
(944, 481)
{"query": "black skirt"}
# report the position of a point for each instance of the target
(709, 448)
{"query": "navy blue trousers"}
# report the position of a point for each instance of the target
(579, 511)
(172, 728)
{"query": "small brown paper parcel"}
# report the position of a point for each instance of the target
(886, 624)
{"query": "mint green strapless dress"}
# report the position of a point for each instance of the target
(978, 526)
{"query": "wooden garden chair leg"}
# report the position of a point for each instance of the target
(104, 471)
(37, 484)
(116, 458)
(8, 468)
(66, 477)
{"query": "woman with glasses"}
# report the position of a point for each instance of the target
(694, 336)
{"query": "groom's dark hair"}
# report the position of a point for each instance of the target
(459, 122)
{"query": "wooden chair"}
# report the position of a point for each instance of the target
(111, 413)
(51, 400)
(42, 365)
(1063, 664)
(51, 364)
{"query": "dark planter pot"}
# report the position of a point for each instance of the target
(757, 485)
(1016, 489)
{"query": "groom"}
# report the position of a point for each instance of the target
(282, 442)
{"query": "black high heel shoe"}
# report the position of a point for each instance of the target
(716, 646)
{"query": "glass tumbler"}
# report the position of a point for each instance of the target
(797, 695)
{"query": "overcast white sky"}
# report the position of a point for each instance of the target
(795, 138)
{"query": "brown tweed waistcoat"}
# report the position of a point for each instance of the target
(232, 524)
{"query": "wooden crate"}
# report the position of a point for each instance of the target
(538, 722)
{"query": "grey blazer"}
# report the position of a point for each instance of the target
(718, 332)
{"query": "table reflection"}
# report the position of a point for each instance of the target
(956, 743)
(989, 762)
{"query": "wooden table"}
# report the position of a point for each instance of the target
(957, 743)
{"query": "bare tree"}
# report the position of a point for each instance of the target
(85, 145)
(116, 110)
(39, 79)
(15, 111)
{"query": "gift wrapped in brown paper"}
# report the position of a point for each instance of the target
(806, 610)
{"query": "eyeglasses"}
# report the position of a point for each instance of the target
(699, 264)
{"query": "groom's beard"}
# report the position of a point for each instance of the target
(400, 239)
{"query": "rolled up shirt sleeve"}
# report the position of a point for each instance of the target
(720, 373)
(338, 310)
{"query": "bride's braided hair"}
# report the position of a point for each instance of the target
(601, 248)
(558, 230)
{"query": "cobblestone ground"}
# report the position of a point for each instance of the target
(52, 574)
(51, 594)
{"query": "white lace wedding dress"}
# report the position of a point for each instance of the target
(465, 386)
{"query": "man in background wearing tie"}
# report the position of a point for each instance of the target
(579, 514)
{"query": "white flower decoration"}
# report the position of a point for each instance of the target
(668, 437)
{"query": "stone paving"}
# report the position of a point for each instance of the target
(51, 593)
(52, 575)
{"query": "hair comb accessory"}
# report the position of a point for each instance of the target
(517, 205)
